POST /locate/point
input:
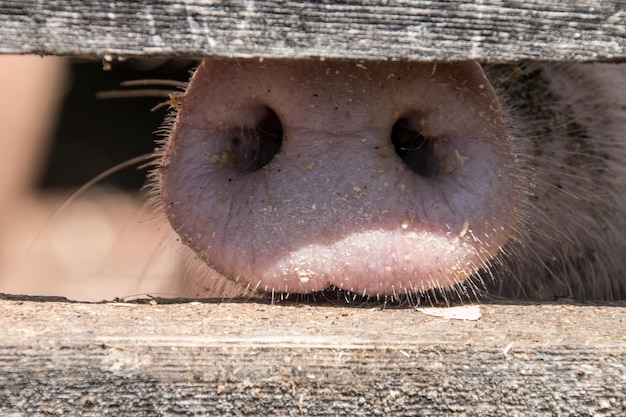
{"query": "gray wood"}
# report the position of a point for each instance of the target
(487, 30)
(232, 359)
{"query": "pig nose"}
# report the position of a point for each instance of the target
(376, 178)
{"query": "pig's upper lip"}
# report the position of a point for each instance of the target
(329, 210)
(369, 262)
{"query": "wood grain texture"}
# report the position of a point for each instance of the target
(489, 30)
(236, 358)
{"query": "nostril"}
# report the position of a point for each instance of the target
(416, 150)
(253, 148)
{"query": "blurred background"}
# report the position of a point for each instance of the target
(56, 136)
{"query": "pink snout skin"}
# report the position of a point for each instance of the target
(376, 178)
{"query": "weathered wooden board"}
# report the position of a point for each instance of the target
(487, 30)
(235, 359)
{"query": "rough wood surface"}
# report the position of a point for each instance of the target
(487, 30)
(237, 358)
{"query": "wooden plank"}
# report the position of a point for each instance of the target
(244, 358)
(486, 30)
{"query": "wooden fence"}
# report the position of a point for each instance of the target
(244, 358)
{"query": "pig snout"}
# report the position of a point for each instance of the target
(376, 178)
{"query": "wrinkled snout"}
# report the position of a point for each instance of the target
(377, 178)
